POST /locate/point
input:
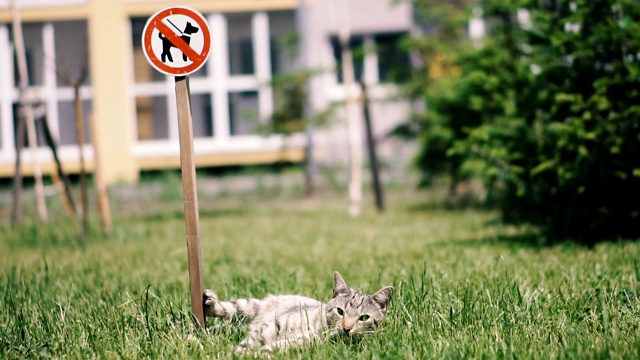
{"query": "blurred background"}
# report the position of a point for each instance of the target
(527, 106)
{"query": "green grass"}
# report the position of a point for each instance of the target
(466, 286)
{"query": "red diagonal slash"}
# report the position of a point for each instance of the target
(176, 40)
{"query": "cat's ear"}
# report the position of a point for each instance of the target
(340, 287)
(383, 296)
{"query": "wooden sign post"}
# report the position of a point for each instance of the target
(183, 32)
(190, 195)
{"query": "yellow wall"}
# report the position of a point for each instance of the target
(110, 68)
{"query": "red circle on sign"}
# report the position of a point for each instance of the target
(155, 22)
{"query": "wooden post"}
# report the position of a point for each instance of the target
(371, 149)
(353, 126)
(26, 108)
(83, 171)
(104, 207)
(17, 177)
(190, 195)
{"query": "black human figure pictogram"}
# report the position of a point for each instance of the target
(167, 45)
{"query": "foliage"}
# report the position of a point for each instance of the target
(469, 287)
(546, 113)
(291, 94)
(441, 41)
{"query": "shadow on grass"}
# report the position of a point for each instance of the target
(526, 240)
(450, 205)
(531, 239)
(527, 235)
(179, 214)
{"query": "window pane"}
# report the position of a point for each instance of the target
(356, 44)
(243, 112)
(284, 41)
(67, 121)
(143, 72)
(393, 62)
(202, 114)
(153, 123)
(26, 144)
(72, 52)
(240, 44)
(32, 34)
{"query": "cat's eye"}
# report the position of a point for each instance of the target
(340, 311)
(363, 318)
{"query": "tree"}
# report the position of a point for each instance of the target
(441, 41)
(546, 113)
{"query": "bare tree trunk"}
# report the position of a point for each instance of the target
(371, 150)
(68, 196)
(309, 163)
(353, 126)
(26, 108)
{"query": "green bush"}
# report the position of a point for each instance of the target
(547, 114)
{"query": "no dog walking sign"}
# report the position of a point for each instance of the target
(176, 41)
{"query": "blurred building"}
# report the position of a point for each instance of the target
(133, 106)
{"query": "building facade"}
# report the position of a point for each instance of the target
(132, 107)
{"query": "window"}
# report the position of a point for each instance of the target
(393, 62)
(243, 112)
(153, 122)
(240, 44)
(34, 53)
(202, 113)
(143, 72)
(72, 54)
(67, 116)
(55, 53)
(284, 41)
(376, 57)
(230, 95)
(356, 44)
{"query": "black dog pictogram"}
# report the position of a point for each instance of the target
(167, 45)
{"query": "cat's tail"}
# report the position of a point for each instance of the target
(228, 309)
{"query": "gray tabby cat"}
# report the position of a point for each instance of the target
(282, 321)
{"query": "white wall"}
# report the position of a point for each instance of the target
(317, 23)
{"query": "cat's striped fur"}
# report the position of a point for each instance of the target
(281, 321)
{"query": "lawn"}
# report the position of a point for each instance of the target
(466, 285)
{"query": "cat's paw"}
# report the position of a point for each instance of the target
(209, 299)
(242, 350)
(264, 352)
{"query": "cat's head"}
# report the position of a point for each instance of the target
(352, 313)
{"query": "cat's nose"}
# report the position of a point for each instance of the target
(346, 329)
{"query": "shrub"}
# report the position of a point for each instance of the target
(547, 114)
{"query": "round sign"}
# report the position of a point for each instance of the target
(176, 40)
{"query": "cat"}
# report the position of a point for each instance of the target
(283, 321)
